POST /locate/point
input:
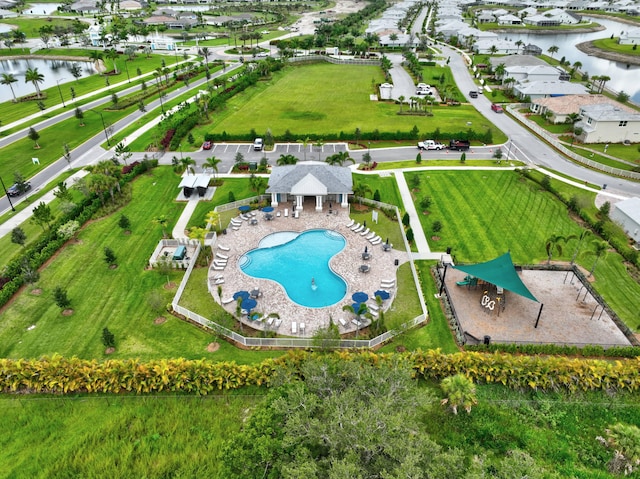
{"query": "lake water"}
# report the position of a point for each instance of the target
(53, 71)
(623, 76)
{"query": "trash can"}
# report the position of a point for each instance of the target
(396, 262)
(224, 231)
(604, 187)
(487, 340)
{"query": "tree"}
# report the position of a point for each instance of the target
(34, 136)
(321, 428)
(436, 226)
(61, 298)
(29, 274)
(79, 115)
(401, 100)
(108, 339)
(406, 219)
(599, 249)
(425, 203)
(109, 256)
(18, 236)
(290, 160)
(76, 71)
(553, 50)
(34, 76)
(460, 392)
(419, 158)
(42, 215)
(605, 209)
(361, 190)
(8, 79)
(366, 158)
(123, 152)
(124, 223)
(212, 163)
(112, 55)
(498, 154)
(554, 242)
(257, 183)
(463, 157)
(585, 233)
(20, 182)
(622, 97)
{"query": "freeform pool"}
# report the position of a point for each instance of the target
(299, 262)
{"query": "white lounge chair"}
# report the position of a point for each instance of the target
(371, 235)
(218, 268)
(218, 276)
(222, 256)
(220, 263)
(356, 322)
(294, 327)
(277, 323)
(286, 212)
(355, 227)
(223, 248)
(278, 214)
(376, 241)
(365, 232)
(350, 223)
(343, 322)
(358, 229)
(373, 307)
(302, 326)
(219, 281)
(228, 300)
(235, 228)
(270, 320)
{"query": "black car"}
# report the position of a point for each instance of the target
(473, 94)
(14, 190)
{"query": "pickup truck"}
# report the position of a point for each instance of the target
(459, 145)
(430, 145)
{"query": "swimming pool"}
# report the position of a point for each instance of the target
(299, 262)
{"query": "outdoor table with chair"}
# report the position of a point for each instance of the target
(365, 268)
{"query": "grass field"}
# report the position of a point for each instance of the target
(285, 103)
(182, 436)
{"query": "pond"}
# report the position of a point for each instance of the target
(53, 71)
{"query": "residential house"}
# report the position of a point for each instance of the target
(552, 18)
(543, 89)
(627, 214)
(95, 35)
(7, 14)
(509, 19)
(486, 17)
(560, 107)
(402, 40)
(501, 47)
(606, 123)
(631, 37)
(522, 73)
(527, 12)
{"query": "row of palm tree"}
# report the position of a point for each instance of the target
(31, 75)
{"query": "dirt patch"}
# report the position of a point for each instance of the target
(426, 213)
(113, 266)
(359, 207)
(67, 312)
(213, 347)
(400, 349)
(170, 285)
(110, 350)
(36, 292)
(160, 320)
(127, 232)
(435, 238)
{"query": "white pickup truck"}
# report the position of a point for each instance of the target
(430, 145)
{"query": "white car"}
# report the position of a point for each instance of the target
(258, 144)
(262, 54)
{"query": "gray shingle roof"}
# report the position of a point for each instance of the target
(336, 179)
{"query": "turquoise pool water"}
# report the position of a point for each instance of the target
(300, 263)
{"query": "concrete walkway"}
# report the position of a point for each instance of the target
(179, 230)
(424, 252)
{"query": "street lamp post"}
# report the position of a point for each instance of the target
(6, 193)
(369, 148)
(104, 127)
(127, 70)
(60, 91)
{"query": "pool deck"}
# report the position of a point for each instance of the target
(273, 298)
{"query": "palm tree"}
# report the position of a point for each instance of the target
(500, 71)
(340, 158)
(603, 79)
(95, 55)
(361, 190)
(553, 49)
(460, 391)
(583, 235)
(112, 55)
(553, 242)
(34, 76)
(599, 250)
(8, 79)
(286, 160)
(212, 162)
(304, 142)
(205, 53)
(401, 100)
(187, 164)
(519, 43)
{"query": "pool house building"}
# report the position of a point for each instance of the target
(322, 181)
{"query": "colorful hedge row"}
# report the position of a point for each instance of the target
(72, 375)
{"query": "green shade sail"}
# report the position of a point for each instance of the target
(501, 272)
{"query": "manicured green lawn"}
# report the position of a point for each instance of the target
(326, 99)
(612, 45)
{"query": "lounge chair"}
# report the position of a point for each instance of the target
(228, 300)
(219, 281)
(365, 232)
(356, 322)
(235, 228)
(373, 307)
(222, 256)
(374, 314)
(370, 236)
(219, 263)
(294, 327)
(218, 276)
(343, 322)
(270, 321)
(277, 323)
(350, 223)
(286, 212)
(278, 214)
(223, 248)
(376, 241)
(302, 326)
(358, 229)
(355, 227)
(218, 268)
(296, 214)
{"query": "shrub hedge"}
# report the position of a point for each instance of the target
(61, 375)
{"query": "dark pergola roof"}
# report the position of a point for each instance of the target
(501, 272)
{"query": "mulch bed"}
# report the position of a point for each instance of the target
(160, 320)
(67, 312)
(213, 347)
(36, 292)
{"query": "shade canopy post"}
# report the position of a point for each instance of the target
(539, 313)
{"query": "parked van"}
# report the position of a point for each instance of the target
(257, 144)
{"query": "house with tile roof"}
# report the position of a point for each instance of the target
(606, 123)
(325, 182)
(560, 107)
(543, 89)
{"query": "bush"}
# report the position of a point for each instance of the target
(108, 339)
(61, 298)
(436, 226)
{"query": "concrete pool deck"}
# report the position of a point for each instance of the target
(274, 299)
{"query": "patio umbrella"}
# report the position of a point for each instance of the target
(244, 208)
(360, 297)
(241, 294)
(248, 304)
(366, 249)
(267, 209)
(384, 295)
